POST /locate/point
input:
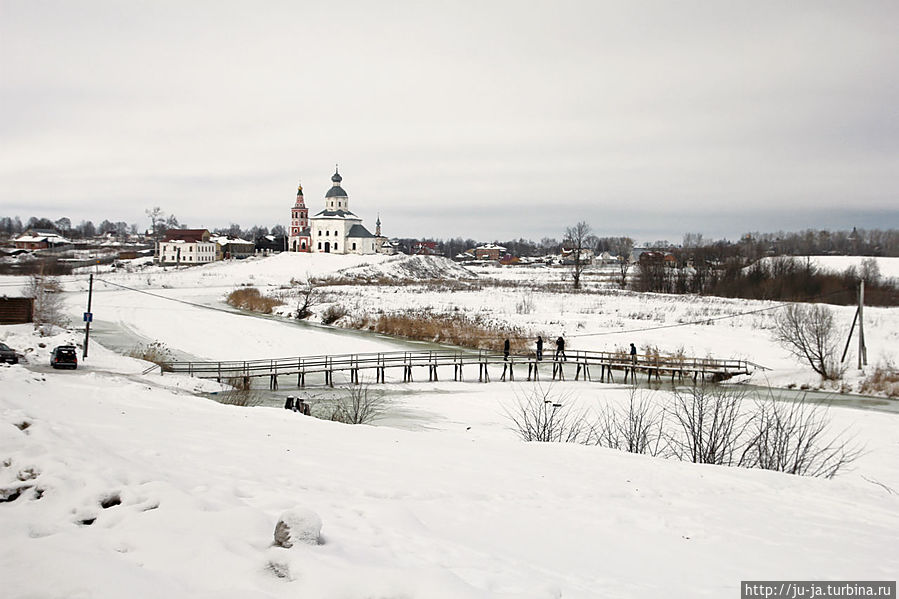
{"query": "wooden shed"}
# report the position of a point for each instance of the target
(16, 310)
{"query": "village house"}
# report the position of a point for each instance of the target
(230, 248)
(39, 239)
(425, 248)
(186, 246)
(490, 251)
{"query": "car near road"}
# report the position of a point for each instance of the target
(64, 356)
(8, 354)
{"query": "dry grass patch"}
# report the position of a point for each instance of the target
(444, 328)
(250, 298)
(883, 381)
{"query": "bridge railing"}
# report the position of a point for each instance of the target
(359, 361)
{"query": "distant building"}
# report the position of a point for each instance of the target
(228, 248)
(39, 239)
(490, 251)
(186, 246)
(425, 248)
(336, 230)
(299, 235)
(271, 244)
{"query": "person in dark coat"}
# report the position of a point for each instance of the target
(560, 349)
(539, 348)
(288, 403)
(633, 353)
(506, 347)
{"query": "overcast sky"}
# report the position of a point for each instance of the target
(484, 119)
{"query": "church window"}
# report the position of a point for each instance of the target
(335, 247)
(319, 243)
(354, 245)
(327, 232)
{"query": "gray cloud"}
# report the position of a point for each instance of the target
(491, 116)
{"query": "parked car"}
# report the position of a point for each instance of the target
(64, 356)
(8, 354)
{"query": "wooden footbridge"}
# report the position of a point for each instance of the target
(580, 364)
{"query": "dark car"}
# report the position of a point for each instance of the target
(64, 356)
(8, 354)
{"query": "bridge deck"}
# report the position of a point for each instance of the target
(580, 361)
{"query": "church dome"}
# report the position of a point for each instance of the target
(336, 178)
(336, 192)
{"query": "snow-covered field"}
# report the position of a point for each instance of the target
(457, 506)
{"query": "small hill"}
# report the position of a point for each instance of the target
(405, 268)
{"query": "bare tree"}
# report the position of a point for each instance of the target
(810, 333)
(48, 303)
(542, 415)
(793, 436)
(577, 239)
(308, 298)
(707, 425)
(157, 221)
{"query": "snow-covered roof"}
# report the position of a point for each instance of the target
(343, 214)
(491, 246)
(52, 238)
(224, 239)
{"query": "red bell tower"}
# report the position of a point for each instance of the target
(299, 237)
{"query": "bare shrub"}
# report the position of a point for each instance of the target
(250, 298)
(794, 437)
(156, 352)
(706, 424)
(241, 383)
(638, 428)
(333, 313)
(540, 414)
(526, 304)
(244, 397)
(361, 405)
(810, 333)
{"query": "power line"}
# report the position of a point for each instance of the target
(174, 299)
(599, 334)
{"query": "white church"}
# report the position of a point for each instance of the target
(334, 230)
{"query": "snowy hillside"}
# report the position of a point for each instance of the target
(406, 268)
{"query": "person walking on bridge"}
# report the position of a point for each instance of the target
(560, 349)
(633, 353)
(506, 347)
(539, 348)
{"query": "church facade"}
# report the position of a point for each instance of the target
(334, 230)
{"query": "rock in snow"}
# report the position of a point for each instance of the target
(299, 525)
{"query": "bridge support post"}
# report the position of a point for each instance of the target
(273, 383)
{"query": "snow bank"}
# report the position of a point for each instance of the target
(127, 488)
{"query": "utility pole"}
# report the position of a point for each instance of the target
(88, 317)
(862, 350)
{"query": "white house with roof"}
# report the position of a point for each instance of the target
(186, 246)
(336, 230)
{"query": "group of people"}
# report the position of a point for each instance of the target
(560, 350)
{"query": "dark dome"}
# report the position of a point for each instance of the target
(336, 178)
(336, 192)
